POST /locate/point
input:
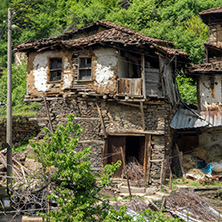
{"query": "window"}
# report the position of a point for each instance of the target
(55, 69)
(85, 68)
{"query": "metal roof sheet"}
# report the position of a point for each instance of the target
(186, 119)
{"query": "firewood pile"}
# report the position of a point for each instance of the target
(29, 192)
(191, 207)
(137, 205)
(18, 168)
(213, 179)
(134, 169)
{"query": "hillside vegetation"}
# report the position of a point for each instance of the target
(175, 20)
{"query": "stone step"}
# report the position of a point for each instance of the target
(124, 189)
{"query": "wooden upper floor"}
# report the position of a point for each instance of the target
(112, 62)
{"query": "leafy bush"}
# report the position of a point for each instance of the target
(75, 185)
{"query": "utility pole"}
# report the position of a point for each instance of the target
(9, 104)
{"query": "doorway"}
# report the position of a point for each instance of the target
(133, 147)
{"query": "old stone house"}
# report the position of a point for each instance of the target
(203, 127)
(119, 84)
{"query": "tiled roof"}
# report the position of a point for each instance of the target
(103, 37)
(111, 25)
(211, 11)
(206, 68)
(116, 34)
(217, 12)
(213, 45)
(172, 51)
(119, 30)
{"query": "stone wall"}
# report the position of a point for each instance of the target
(22, 129)
(117, 118)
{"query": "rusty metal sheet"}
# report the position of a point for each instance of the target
(186, 119)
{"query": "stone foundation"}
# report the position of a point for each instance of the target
(117, 118)
(22, 129)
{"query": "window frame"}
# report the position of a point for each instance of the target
(57, 69)
(84, 68)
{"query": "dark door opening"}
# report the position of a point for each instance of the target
(133, 147)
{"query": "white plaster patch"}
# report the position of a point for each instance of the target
(106, 62)
(67, 81)
(40, 70)
(66, 64)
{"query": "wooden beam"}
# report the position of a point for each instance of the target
(101, 120)
(131, 104)
(142, 115)
(143, 74)
(148, 138)
(128, 132)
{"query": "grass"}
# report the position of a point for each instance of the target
(22, 147)
(107, 197)
(194, 183)
(27, 113)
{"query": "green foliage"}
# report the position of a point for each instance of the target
(187, 89)
(175, 20)
(154, 216)
(76, 185)
(147, 215)
(18, 90)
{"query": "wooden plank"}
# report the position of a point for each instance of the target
(47, 111)
(124, 168)
(145, 156)
(114, 151)
(148, 138)
(101, 120)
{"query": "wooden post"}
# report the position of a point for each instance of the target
(170, 182)
(124, 168)
(161, 173)
(180, 161)
(142, 114)
(47, 111)
(143, 75)
(101, 120)
(148, 137)
(145, 157)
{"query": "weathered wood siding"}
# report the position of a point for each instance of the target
(127, 86)
(152, 81)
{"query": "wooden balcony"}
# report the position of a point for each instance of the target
(130, 86)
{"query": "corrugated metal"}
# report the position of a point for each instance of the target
(186, 119)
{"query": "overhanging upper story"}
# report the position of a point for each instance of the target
(103, 60)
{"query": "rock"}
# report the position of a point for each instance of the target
(151, 190)
(32, 164)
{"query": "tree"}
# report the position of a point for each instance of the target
(75, 185)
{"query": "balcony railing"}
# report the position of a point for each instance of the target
(130, 86)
